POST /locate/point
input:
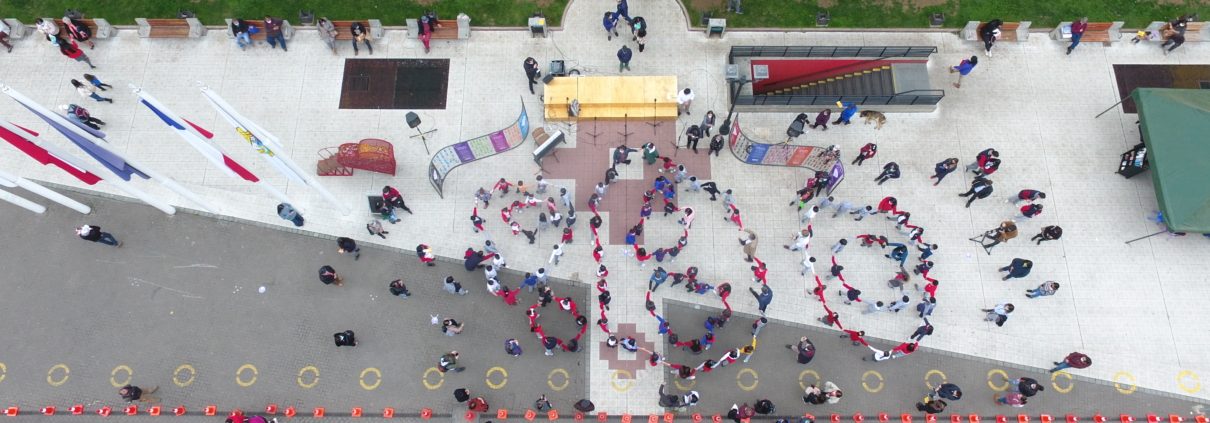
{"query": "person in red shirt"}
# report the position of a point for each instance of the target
(868, 240)
(642, 255)
(734, 217)
(391, 196)
(1030, 195)
(867, 151)
(856, 337)
(982, 158)
(503, 186)
(760, 272)
(476, 221)
(1075, 360)
(931, 288)
(567, 235)
(478, 405)
(1077, 31)
(1029, 211)
(506, 215)
(888, 205)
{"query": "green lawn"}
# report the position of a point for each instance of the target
(212, 12)
(876, 14)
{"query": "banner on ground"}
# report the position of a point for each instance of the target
(806, 156)
(477, 148)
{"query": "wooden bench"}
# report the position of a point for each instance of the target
(344, 29)
(100, 28)
(1194, 31)
(287, 31)
(1009, 31)
(1097, 32)
(170, 28)
(447, 29)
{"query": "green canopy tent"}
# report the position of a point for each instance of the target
(1176, 129)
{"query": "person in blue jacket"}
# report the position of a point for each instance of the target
(850, 110)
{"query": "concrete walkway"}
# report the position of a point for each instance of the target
(1131, 307)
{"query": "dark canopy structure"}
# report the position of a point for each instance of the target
(1176, 129)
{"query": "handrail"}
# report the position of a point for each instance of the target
(828, 51)
(812, 75)
(901, 99)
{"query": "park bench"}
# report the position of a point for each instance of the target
(1194, 31)
(99, 27)
(447, 29)
(287, 30)
(1097, 32)
(170, 28)
(344, 32)
(1009, 31)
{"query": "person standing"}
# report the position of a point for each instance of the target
(821, 119)
(449, 361)
(88, 91)
(999, 313)
(805, 350)
(532, 72)
(640, 37)
(453, 287)
(359, 32)
(47, 27)
(684, 100)
(239, 28)
(849, 110)
(624, 55)
(348, 245)
(4, 30)
(1019, 268)
(556, 254)
(94, 234)
(273, 33)
(1030, 195)
(1075, 360)
(943, 168)
(623, 10)
(345, 339)
(327, 33)
(707, 123)
(1049, 233)
(1077, 32)
(328, 276)
(611, 25)
(980, 188)
(692, 136)
(763, 298)
(287, 212)
(78, 31)
(964, 69)
(72, 51)
(867, 151)
(989, 33)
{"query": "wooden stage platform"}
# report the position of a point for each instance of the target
(612, 97)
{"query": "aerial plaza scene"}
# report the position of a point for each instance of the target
(724, 210)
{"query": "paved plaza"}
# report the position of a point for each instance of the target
(1132, 307)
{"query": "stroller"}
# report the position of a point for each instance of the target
(993, 237)
(797, 127)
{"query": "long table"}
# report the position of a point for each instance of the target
(612, 97)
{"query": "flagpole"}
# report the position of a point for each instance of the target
(21, 202)
(200, 142)
(103, 145)
(10, 180)
(238, 120)
(116, 180)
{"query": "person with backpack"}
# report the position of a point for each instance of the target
(360, 33)
(78, 31)
(81, 115)
(72, 51)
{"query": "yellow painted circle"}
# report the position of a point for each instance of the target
(550, 379)
(176, 373)
(1054, 377)
(613, 380)
(377, 378)
(1180, 381)
(991, 383)
(239, 380)
(3, 372)
(931, 373)
(742, 372)
(802, 384)
(488, 378)
(1117, 379)
(425, 379)
(114, 374)
(50, 375)
(866, 386)
(305, 370)
(682, 386)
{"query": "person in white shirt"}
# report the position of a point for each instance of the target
(47, 27)
(684, 100)
(556, 254)
(489, 272)
(801, 240)
(809, 214)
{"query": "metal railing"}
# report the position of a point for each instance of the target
(829, 51)
(906, 98)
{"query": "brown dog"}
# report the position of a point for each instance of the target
(871, 115)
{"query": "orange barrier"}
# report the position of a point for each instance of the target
(77, 409)
(858, 418)
(318, 412)
(1126, 418)
(179, 410)
(553, 415)
(49, 411)
(579, 416)
(290, 412)
(132, 410)
(388, 413)
(271, 409)
(211, 410)
(12, 411)
(154, 410)
(1098, 418)
(530, 415)
(104, 411)
(502, 414)
(356, 412)
(426, 413)
(469, 416)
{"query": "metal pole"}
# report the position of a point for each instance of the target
(21, 202)
(1145, 237)
(1111, 108)
(10, 180)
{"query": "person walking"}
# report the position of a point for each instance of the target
(359, 32)
(749, 243)
(273, 33)
(1026, 386)
(1077, 32)
(345, 339)
(822, 118)
(328, 275)
(989, 33)
(1019, 268)
(348, 245)
(80, 114)
(1075, 360)
(848, 111)
(1029, 212)
(94, 234)
(88, 91)
(1049, 233)
(96, 82)
(556, 254)
(889, 171)
(532, 72)
(947, 391)
(980, 188)
(943, 168)
(287, 212)
(684, 100)
(72, 51)
(239, 29)
(624, 55)
(623, 10)
(1045, 289)
(327, 33)
(763, 298)
(611, 25)
(453, 287)
(716, 144)
(964, 68)
(1029, 195)
(999, 313)
(449, 361)
(867, 151)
